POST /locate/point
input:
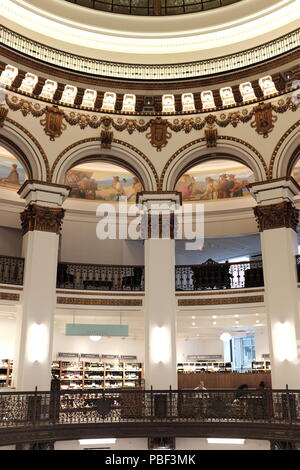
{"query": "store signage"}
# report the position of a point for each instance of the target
(90, 356)
(205, 358)
(109, 356)
(68, 355)
(80, 329)
(265, 356)
(129, 358)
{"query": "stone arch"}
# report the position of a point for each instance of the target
(120, 153)
(197, 152)
(286, 153)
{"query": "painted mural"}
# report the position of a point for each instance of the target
(12, 174)
(296, 172)
(215, 180)
(101, 181)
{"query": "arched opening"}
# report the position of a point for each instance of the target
(294, 165)
(214, 179)
(105, 179)
(13, 172)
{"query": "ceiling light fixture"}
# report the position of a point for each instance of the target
(225, 337)
(211, 440)
(95, 338)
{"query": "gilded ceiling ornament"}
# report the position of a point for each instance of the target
(106, 135)
(264, 119)
(53, 122)
(158, 134)
(3, 115)
(211, 135)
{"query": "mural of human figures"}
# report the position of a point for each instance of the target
(296, 172)
(102, 181)
(215, 180)
(12, 174)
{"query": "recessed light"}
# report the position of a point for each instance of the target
(236, 316)
(237, 322)
(193, 317)
(83, 442)
(193, 324)
(257, 321)
(214, 316)
(214, 322)
(211, 440)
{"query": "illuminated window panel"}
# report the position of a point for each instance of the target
(49, 89)
(247, 92)
(188, 103)
(168, 104)
(28, 83)
(129, 103)
(207, 99)
(8, 75)
(89, 98)
(227, 96)
(109, 101)
(69, 94)
(267, 85)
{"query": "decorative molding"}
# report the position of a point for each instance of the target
(264, 119)
(158, 134)
(41, 218)
(3, 114)
(211, 135)
(222, 301)
(271, 216)
(8, 287)
(220, 292)
(8, 296)
(296, 125)
(108, 302)
(106, 135)
(53, 122)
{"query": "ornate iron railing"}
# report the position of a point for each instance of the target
(213, 275)
(202, 68)
(26, 409)
(100, 277)
(153, 7)
(11, 270)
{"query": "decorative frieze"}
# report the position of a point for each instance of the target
(283, 214)
(221, 301)
(43, 219)
(107, 302)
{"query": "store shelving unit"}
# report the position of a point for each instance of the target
(6, 368)
(198, 367)
(87, 375)
(261, 366)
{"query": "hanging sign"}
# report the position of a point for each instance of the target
(109, 356)
(90, 356)
(129, 358)
(68, 355)
(80, 329)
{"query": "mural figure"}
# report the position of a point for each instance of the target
(12, 174)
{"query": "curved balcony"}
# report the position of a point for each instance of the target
(153, 7)
(39, 416)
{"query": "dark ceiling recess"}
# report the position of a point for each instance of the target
(153, 7)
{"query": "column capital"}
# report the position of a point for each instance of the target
(282, 214)
(42, 219)
(274, 191)
(152, 198)
(44, 194)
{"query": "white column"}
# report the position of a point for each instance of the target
(160, 307)
(277, 219)
(41, 223)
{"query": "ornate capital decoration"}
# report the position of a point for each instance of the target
(53, 122)
(271, 216)
(41, 218)
(106, 135)
(264, 119)
(3, 115)
(158, 134)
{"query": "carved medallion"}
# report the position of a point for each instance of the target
(43, 219)
(271, 216)
(158, 134)
(53, 122)
(264, 119)
(3, 115)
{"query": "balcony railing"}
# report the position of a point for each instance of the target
(153, 7)
(100, 277)
(212, 275)
(11, 270)
(26, 409)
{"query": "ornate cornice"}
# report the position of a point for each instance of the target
(108, 302)
(271, 216)
(43, 219)
(221, 301)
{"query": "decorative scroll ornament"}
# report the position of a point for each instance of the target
(43, 219)
(3, 115)
(106, 135)
(264, 119)
(211, 135)
(271, 216)
(52, 123)
(158, 134)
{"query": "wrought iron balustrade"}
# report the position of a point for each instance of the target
(153, 7)
(27, 409)
(212, 275)
(11, 270)
(100, 277)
